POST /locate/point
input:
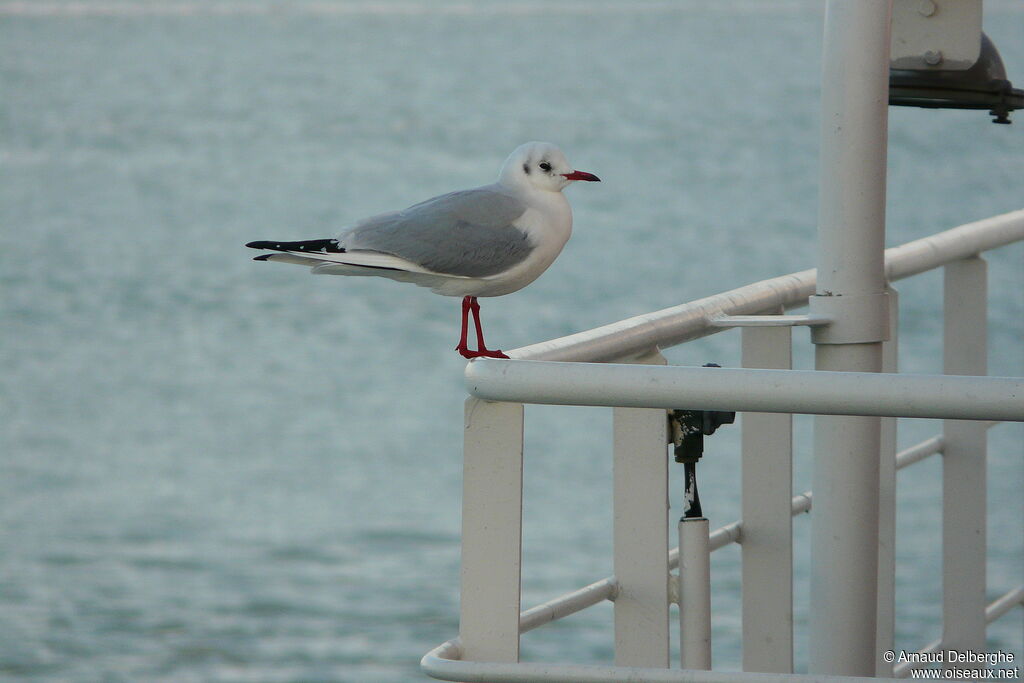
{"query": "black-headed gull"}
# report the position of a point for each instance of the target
(487, 241)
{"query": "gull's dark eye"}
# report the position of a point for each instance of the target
(545, 166)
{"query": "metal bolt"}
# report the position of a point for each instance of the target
(926, 8)
(933, 57)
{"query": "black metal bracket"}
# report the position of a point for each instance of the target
(688, 429)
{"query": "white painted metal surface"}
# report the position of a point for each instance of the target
(491, 620)
(445, 662)
(997, 608)
(608, 587)
(935, 34)
(1004, 604)
(570, 603)
(777, 320)
(844, 545)
(885, 625)
(767, 486)
(492, 511)
(694, 594)
(671, 326)
(963, 465)
(782, 391)
(850, 291)
(442, 662)
(640, 534)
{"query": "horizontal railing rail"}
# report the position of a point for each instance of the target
(815, 392)
(995, 609)
(444, 662)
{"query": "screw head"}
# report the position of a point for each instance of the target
(926, 8)
(933, 57)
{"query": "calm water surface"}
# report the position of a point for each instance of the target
(214, 469)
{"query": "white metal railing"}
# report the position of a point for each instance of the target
(444, 661)
(491, 618)
(817, 392)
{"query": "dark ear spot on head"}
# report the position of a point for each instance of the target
(526, 169)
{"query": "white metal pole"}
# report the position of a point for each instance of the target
(851, 291)
(963, 466)
(767, 540)
(640, 532)
(886, 621)
(492, 512)
(694, 594)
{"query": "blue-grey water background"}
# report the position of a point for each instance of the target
(214, 469)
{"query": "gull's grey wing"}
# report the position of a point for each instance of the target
(468, 233)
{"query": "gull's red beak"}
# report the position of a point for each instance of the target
(581, 175)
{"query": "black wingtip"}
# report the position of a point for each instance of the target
(264, 257)
(325, 246)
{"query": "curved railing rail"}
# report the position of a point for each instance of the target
(672, 326)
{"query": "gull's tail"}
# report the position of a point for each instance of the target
(328, 257)
(327, 253)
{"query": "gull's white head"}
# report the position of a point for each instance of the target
(541, 166)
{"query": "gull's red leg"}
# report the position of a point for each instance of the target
(474, 308)
(469, 305)
(482, 349)
(462, 348)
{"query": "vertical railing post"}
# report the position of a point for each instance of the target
(886, 625)
(963, 465)
(767, 538)
(694, 593)
(492, 509)
(640, 533)
(850, 291)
